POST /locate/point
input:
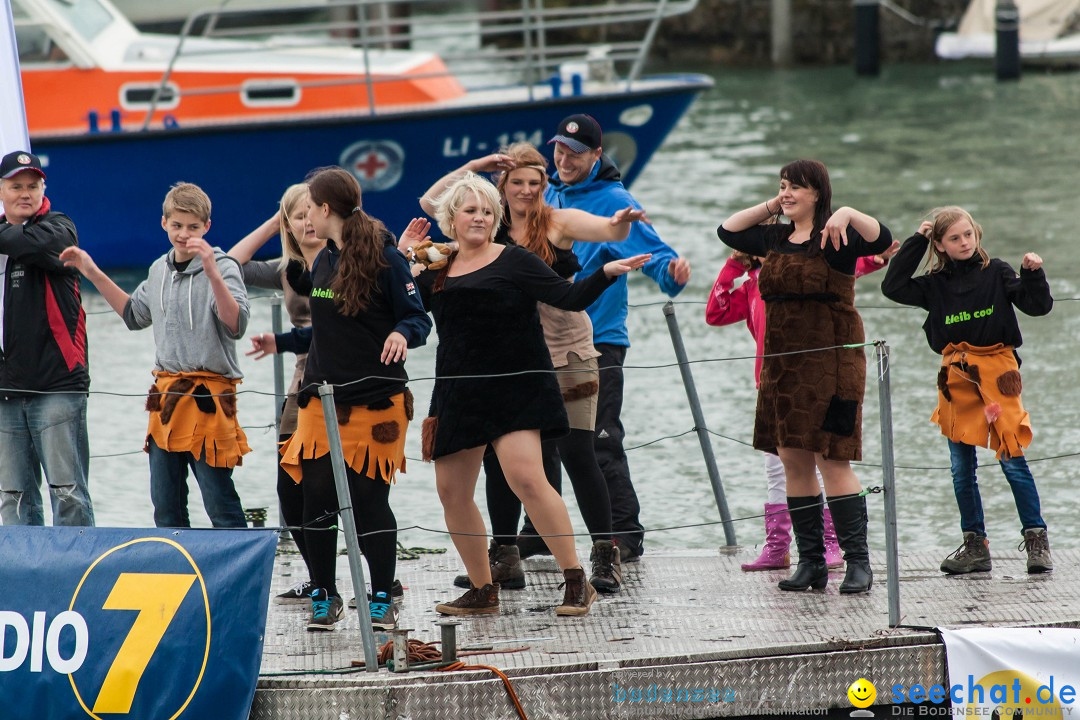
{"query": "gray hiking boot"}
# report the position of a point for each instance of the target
(506, 569)
(972, 556)
(1037, 545)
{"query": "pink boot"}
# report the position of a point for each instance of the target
(777, 540)
(834, 558)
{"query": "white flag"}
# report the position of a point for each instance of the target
(13, 135)
(1035, 671)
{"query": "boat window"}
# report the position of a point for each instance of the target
(270, 93)
(138, 96)
(35, 47)
(88, 17)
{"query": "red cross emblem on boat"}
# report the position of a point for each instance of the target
(376, 164)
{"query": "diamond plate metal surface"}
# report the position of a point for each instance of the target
(692, 621)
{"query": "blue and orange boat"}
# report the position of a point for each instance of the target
(245, 105)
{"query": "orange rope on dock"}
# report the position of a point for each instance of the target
(420, 652)
(506, 682)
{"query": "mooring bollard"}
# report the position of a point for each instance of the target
(699, 423)
(348, 526)
(256, 517)
(867, 37)
(449, 640)
(400, 637)
(888, 476)
(1007, 50)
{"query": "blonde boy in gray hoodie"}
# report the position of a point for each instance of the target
(194, 296)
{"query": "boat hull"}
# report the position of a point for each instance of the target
(112, 184)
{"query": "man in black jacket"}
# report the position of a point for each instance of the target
(44, 378)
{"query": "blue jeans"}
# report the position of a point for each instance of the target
(169, 490)
(966, 488)
(44, 431)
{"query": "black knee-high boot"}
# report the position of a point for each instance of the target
(849, 517)
(809, 526)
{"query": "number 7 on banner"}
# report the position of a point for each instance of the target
(157, 597)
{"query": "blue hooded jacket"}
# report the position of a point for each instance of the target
(602, 193)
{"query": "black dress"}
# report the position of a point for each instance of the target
(488, 324)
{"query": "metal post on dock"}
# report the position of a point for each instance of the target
(780, 23)
(348, 526)
(699, 423)
(279, 362)
(1007, 50)
(867, 37)
(279, 393)
(888, 474)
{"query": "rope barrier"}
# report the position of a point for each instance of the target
(414, 553)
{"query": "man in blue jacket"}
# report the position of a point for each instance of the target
(588, 180)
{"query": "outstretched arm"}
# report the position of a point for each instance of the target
(572, 224)
(79, 259)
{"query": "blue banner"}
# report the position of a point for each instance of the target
(137, 624)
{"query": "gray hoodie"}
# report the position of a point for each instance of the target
(188, 335)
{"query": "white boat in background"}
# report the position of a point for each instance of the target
(159, 12)
(1049, 33)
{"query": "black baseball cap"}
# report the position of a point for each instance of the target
(579, 133)
(15, 162)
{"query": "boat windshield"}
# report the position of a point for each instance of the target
(87, 17)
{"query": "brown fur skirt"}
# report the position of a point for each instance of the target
(810, 400)
(373, 441)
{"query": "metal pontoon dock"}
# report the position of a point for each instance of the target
(687, 621)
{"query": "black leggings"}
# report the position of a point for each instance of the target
(577, 455)
(371, 512)
(291, 499)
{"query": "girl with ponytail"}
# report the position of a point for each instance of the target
(365, 314)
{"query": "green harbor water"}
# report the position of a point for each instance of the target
(897, 145)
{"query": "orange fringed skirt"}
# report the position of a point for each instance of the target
(979, 399)
(373, 441)
(196, 412)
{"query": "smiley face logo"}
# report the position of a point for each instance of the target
(862, 693)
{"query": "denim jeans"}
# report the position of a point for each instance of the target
(44, 431)
(169, 490)
(966, 488)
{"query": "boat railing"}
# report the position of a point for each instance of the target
(526, 45)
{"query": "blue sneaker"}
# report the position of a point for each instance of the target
(383, 612)
(325, 610)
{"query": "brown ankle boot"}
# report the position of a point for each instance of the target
(477, 601)
(578, 596)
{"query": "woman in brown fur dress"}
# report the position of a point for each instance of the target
(809, 407)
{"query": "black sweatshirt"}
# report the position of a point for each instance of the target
(345, 348)
(966, 302)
